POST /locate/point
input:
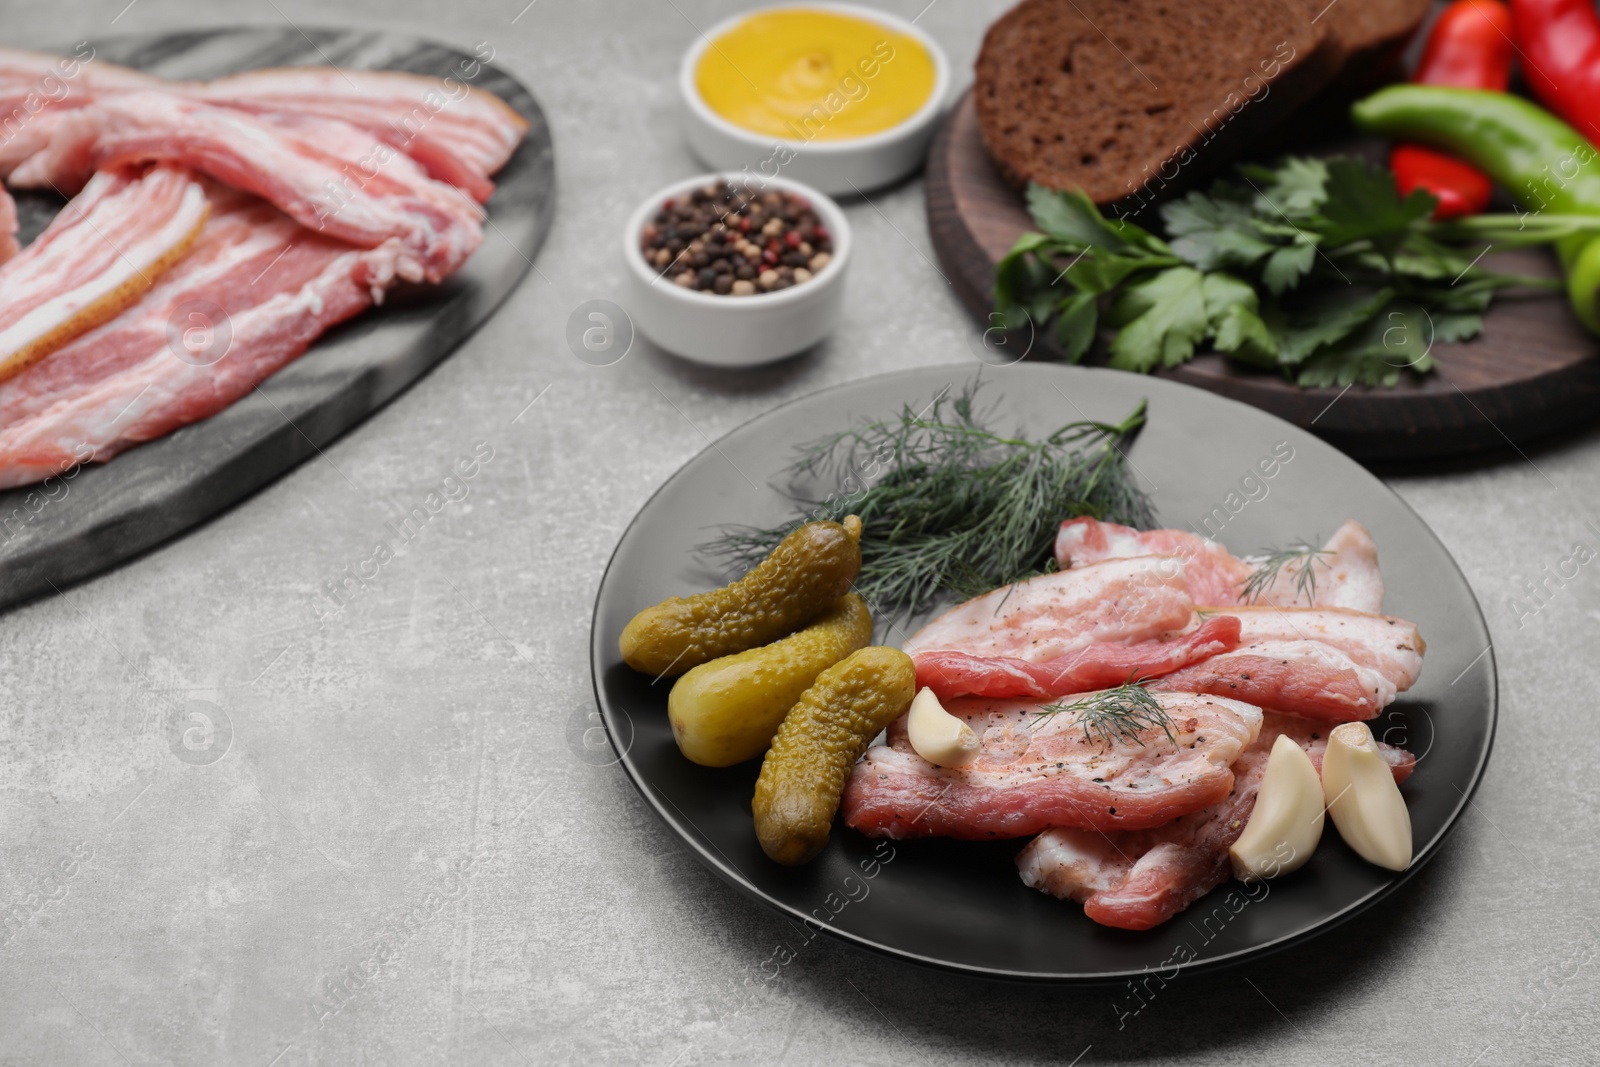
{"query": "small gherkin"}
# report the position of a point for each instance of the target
(803, 576)
(806, 768)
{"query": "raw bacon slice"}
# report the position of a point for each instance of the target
(366, 193)
(256, 288)
(1055, 615)
(1031, 774)
(104, 249)
(1101, 665)
(27, 139)
(8, 226)
(1214, 575)
(1135, 880)
(1346, 569)
(23, 72)
(458, 134)
(36, 89)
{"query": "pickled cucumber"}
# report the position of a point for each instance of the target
(727, 711)
(801, 578)
(805, 771)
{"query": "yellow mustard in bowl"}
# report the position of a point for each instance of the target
(810, 74)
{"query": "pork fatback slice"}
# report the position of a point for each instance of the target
(1032, 773)
(100, 252)
(951, 674)
(1306, 678)
(364, 192)
(1214, 574)
(1390, 645)
(1135, 880)
(137, 376)
(1345, 569)
(1344, 574)
(1053, 615)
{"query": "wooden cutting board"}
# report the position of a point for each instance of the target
(1533, 371)
(111, 512)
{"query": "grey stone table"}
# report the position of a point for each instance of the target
(398, 785)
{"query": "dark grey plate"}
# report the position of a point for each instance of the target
(114, 511)
(961, 906)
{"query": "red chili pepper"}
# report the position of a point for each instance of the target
(1560, 45)
(1469, 47)
(1461, 188)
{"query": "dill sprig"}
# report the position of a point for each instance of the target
(1270, 562)
(1113, 715)
(949, 505)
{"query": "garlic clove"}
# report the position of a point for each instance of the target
(1363, 798)
(1286, 822)
(938, 736)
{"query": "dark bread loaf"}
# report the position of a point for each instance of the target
(1130, 99)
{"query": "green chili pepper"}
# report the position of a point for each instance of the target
(1546, 165)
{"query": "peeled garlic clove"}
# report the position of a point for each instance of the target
(938, 736)
(1363, 798)
(1286, 822)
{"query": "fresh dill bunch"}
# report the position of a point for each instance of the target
(1113, 715)
(949, 505)
(1270, 562)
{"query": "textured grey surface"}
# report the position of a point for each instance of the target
(406, 789)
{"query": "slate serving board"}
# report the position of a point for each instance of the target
(1533, 371)
(113, 511)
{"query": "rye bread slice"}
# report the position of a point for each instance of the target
(1358, 27)
(1131, 99)
(1366, 39)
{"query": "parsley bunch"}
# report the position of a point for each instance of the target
(1315, 268)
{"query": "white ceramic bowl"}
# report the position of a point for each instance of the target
(735, 331)
(838, 167)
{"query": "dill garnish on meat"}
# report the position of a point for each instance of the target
(1113, 715)
(948, 504)
(1271, 562)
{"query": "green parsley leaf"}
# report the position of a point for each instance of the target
(1162, 319)
(1285, 267)
(1215, 231)
(1362, 204)
(1327, 320)
(1071, 217)
(1101, 272)
(1296, 188)
(1236, 326)
(1376, 353)
(1451, 327)
(1075, 328)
